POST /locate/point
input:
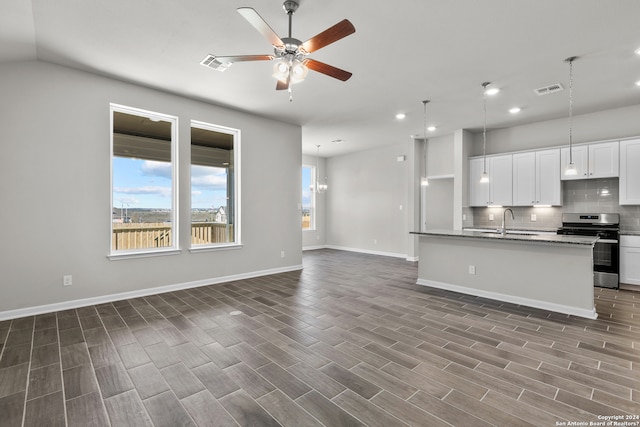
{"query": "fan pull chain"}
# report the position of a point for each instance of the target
(290, 94)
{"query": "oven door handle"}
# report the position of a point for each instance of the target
(606, 241)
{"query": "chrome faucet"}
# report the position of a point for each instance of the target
(503, 230)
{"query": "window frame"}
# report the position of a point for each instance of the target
(313, 207)
(175, 196)
(236, 133)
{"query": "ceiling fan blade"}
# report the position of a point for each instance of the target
(260, 24)
(327, 69)
(332, 34)
(243, 58)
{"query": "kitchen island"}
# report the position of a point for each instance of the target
(551, 272)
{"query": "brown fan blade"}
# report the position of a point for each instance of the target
(332, 34)
(327, 69)
(243, 58)
(282, 85)
(260, 24)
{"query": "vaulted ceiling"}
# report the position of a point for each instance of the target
(403, 51)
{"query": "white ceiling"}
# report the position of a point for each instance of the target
(403, 51)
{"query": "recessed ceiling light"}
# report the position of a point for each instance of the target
(400, 116)
(638, 83)
(637, 51)
(515, 110)
(431, 128)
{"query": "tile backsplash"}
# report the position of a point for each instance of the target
(578, 196)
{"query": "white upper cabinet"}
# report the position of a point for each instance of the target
(478, 192)
(536, 178)
(630, 172)
(580, 156)
(597, 160)
(548, 183)
(498, 191)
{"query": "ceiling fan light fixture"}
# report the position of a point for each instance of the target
(298, 71)
(281, 70)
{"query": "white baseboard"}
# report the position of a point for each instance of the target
(313, 248)
(366, 251)
(66, 305)
(544, 305)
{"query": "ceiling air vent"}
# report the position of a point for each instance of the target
(548, 89)
(210, 61)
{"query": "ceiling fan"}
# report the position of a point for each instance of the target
(292, 64)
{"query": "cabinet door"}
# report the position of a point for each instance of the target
(630, 265)
(580, 156)
(478, 192)
(630, 172)
(603, 159)
(501, 180)
(548, 185)
(524, 179)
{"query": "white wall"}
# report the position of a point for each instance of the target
(440, 155)
(318, 236)
(603, 125)
(55, 201)
(366, 190)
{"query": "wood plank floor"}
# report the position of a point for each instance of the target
(350, 340)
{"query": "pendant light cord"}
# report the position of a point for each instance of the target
(484, 127)
(571, 109)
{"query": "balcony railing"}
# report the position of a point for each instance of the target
(159, 235)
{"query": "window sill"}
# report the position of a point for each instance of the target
(147, 254)
(205, 248)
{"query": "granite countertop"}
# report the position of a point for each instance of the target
(517, 235)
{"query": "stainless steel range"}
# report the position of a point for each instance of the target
(606, 252)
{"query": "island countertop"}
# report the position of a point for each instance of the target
(512, 235)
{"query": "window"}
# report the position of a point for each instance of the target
(214, 185)
(143, 181)
(308, 199)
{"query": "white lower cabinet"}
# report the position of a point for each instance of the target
(630, 260)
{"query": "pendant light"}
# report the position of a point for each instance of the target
(316, 187)
(571, 167)
(484, 178)
(425, 181)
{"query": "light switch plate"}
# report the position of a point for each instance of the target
(534, 217)
(490, 217)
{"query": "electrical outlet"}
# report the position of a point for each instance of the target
(472, 269)
(317, 237)
(281, 254)
(533, 217)
(490, 217)
(400, 207)
(67, 280)
(464, 217)
(375, 241)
